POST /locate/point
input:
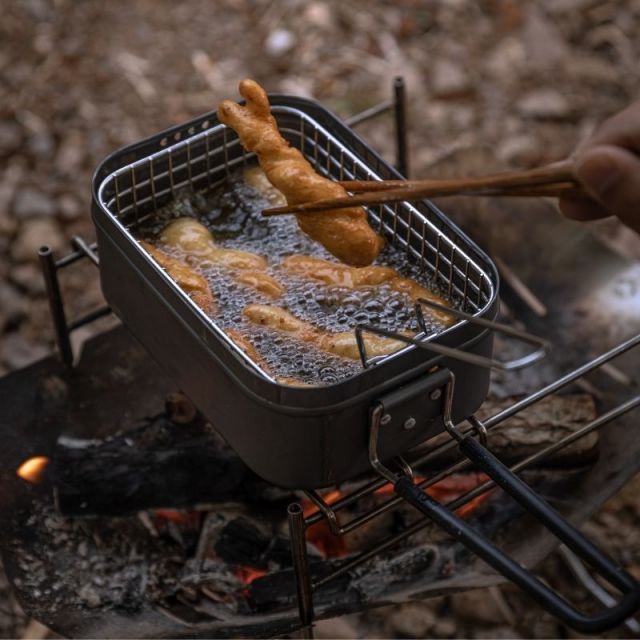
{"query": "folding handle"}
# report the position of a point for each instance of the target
(485, 549)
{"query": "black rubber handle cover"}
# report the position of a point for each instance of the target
(485, 549)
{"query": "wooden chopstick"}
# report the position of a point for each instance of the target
(549, 181)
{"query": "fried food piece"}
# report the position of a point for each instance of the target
(338, 275)
(247, 346)
(257, 179)
(191, 282)
(194, 239)
(343, 232)
(260, 281)
(353, 277)
(342, 344)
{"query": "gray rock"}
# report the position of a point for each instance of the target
(544, 45)
(506, 57)
(28, 277)
(10, 137)
(335, 628)
(544, 104)
(41, 145)
(500, 633)
(413, 620)
(279, 42)
(449, 80)
(31, 203)
(68, 208)
(90, 596)
(17, 352)
(34, 234)
(8, 224)
(522, 149)
(444, 628)
(13, 306)
(319, 14)
(476, 606)
(70, 153)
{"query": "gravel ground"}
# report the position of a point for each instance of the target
(492, 84)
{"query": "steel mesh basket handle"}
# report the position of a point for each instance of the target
(532, 504)
(542, 346)
(501, 562)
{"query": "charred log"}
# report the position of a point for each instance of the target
(158, 465)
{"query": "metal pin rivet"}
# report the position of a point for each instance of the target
(386, 418)
(409, 423)
(435, 394)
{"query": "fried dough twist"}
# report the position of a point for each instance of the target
(341, 344)
(344, 232)
(196, 241)
(353, 277)
(191, 282)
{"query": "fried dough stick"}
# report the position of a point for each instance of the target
(353, 277)
(248, 347)
(341, 344)
(196, 241)
(343, 232)
(192, 283)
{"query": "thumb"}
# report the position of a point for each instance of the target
(611, 175)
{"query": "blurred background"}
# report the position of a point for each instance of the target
(492, 84)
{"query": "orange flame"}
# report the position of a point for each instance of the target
(319, 534)
(182, 517)
(248, 574)
(32, 470)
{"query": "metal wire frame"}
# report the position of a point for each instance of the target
(136, 191)
(50, 267)
(330, 512)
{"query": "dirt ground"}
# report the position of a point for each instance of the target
(492, 84)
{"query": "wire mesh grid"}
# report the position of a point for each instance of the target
(330, 512)
(205, 159)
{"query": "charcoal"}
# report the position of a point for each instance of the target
(241, 542)
(159, 465)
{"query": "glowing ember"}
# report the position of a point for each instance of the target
(248, 574)
(445, 491)
(319, 534)
(451, 488)
(185, 518)
(32, 470)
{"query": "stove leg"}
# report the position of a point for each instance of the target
(50, 273)
(301, 567)
(400, 115)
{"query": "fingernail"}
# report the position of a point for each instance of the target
(598, 172)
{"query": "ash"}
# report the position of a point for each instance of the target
(120, 563)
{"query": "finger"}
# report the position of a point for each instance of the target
(582, 209)
(621, 130)
(612, 176)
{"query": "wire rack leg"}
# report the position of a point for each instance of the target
(400, 115)
(50, 273)
(301, 567)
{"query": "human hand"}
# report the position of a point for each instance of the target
(608, 167)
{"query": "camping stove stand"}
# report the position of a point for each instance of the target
(443, 514)
(403, 482)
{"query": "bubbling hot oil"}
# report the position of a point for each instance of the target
(232, 212)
